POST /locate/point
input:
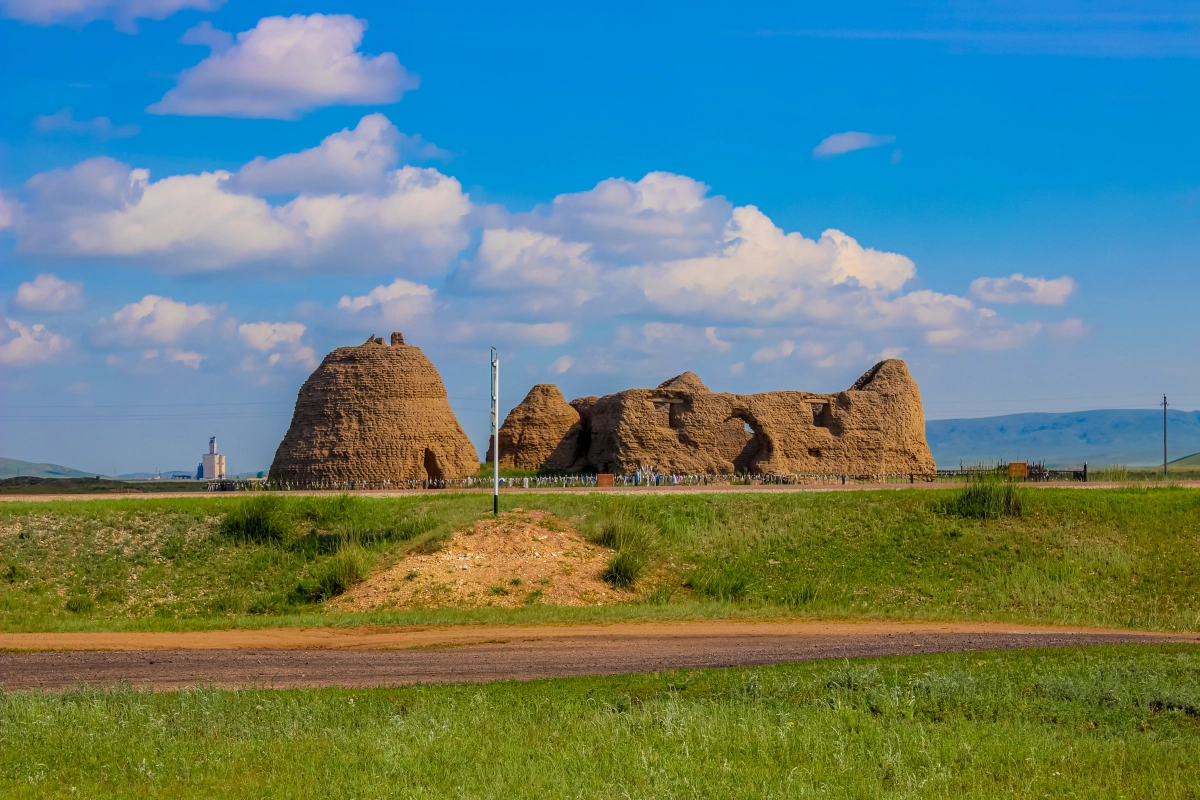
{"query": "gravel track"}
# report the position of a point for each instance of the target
(362, 657)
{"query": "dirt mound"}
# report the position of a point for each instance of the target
(522, 557)
(374, 413)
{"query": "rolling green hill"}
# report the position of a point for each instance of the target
(1191, 462)
(13, 468)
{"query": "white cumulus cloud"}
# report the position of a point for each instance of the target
(123, 13)
(282, 340)
(762, 273)
(49, 293)
(839, 143)
(661, 216)
(355, 160)
(518, 258)
(267, 336)
(25, 345)
(396, 303)
(285, 67)
(1019, 289)
(160, 320)
(105, 210)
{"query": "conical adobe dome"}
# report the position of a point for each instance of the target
(540, 432)
(374, 413)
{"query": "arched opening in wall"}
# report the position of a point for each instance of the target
(432, 470)
(757, 448)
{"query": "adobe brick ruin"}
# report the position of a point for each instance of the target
(875, 427)
(374, 413)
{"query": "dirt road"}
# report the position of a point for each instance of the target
(378, 656)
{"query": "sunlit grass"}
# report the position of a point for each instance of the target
(1101, 722)
(1117, 557)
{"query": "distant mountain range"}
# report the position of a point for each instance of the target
(1101, 438)
(1110, 436)
(14, 468)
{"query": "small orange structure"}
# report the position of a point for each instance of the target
(1018, 469)
(604, 480)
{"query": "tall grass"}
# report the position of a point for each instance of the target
(262, 519)
(986, 496)
(348, 567)
(632, 540)
(1118, 473)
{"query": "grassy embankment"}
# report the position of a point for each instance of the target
(1123, 557)
(1102, 722)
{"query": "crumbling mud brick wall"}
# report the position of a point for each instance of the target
(374, 413)
(875, 427)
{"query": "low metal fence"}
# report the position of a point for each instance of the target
(639, 480)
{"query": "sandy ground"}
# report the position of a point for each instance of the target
(394, 656)
(518, 558)
(513, 493)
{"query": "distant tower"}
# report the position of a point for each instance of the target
(212, 462)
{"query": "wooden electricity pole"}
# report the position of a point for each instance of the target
(1164, 405)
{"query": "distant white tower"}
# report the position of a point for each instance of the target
(213, 463)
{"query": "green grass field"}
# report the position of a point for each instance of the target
(1123, 557)
(1100, 722)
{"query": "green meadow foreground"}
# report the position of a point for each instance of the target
(1099, 722)
(1112, 557)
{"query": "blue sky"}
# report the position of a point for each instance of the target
(199, 199)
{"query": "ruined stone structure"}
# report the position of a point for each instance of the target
(875, 427)
(374, 413)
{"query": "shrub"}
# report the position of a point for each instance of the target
(263, 519)
(631, 538)
(624, 568)
(986, 499)
(337, 574)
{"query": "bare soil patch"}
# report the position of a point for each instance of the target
(519, 558)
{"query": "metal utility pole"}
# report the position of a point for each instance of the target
(1164, 405)
(495, 432)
